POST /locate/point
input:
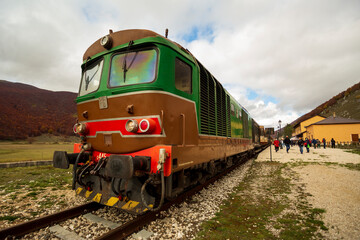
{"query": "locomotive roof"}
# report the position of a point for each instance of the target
(122, 37)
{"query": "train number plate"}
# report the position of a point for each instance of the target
(103, 104)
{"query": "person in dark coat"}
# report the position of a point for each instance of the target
(324, 142)
(287, 143)
(318, 143)
(301, 144)
(314, 142)
(332, 143)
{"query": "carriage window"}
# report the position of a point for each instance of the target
(133, 68)
(183, 81)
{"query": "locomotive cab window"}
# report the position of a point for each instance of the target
(91, 76)
(134, 67)
(183, 79)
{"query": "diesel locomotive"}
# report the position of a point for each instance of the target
(153, 121)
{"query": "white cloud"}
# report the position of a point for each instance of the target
(266, 113)
(300, 53)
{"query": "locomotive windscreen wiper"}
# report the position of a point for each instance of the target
(87, 80)
(124, 67)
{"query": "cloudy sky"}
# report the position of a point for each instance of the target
(279, 58)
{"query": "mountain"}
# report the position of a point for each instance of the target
(346, 104)
(27, 111)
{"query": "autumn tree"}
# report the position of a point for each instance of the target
(288, 130)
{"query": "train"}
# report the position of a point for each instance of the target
(152, 123)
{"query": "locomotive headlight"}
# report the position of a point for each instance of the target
(106, 42)
(80, 128)
(132, 126)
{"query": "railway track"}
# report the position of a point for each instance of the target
(118, 232)
(38, 223)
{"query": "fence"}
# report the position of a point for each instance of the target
(355, 145)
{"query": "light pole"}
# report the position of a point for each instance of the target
(280, 128)
(279, 134)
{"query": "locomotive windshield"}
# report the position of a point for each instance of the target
(133, 68)
(91, 78)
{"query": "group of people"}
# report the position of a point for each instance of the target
(307, 143)
(286, 142)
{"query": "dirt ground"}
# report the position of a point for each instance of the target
(333, 186)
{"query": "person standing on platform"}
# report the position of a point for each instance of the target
(324, 142)
(332, 143)
(301, 144)
(276, 144)
(307, 145)
(287, 143)
(314, 143)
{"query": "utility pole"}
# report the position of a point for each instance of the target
(281, 146)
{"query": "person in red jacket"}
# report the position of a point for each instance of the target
(276, 144)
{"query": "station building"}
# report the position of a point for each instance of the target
(341, 129)
(300, 128)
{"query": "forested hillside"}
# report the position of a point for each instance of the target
(346, 104)
(27, 111)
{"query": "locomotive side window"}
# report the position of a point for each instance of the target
(232, 110)
(91, 78)
(133, 68)
(238, 113)
(183, 80)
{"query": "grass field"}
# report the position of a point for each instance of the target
(37, 148)
(21, 151)
(27, 192)
(33, 178)
(356, 151)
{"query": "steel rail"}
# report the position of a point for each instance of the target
(135, 225)
(38, 223)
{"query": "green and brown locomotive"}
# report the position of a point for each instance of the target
(152, 122)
